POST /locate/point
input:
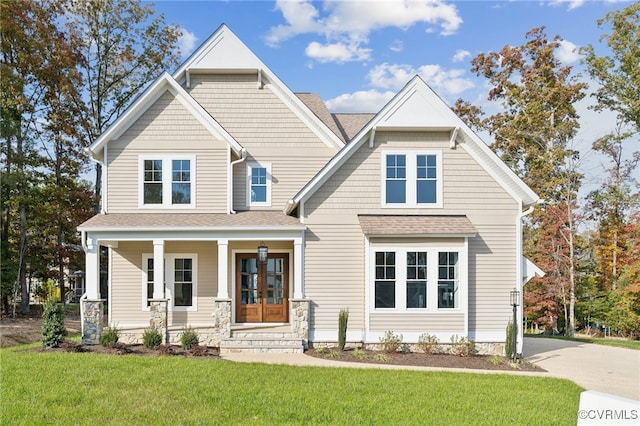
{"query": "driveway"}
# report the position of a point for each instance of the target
(606, 369)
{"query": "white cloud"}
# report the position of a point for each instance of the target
(186, 42)
(337, 52)
(571, 4)
(350, 22)
(395, 76)
(370, 101)
(461, 55)
(397, 46)
(568, 52)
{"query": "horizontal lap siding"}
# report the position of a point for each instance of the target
(334, 274)
(422, 322)
(167, 128)
(467, 190)
(268, 129)
(128, 287)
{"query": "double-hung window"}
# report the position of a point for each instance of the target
(167, 181)
(180, 283)
(412, 178)
(415, 279)
(259, 184)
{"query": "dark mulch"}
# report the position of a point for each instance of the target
(123, 349)
(477, 362)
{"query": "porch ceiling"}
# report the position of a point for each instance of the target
(417, 226)
(191, 221)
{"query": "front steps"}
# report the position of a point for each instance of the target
(271, 339)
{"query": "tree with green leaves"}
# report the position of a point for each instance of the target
(124, 46)
(532, 131)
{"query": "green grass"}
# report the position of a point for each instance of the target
(83, 388)
(629, 344)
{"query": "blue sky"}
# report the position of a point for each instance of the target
(357, 54)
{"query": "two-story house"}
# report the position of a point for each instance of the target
(253, 215)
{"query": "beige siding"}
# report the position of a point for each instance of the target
(128, 286)
(356, 189)
(167, 128)
(420, 323)
(268, 129)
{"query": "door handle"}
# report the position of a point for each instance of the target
(259, 296)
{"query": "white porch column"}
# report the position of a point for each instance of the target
(92, 265)
(223, 269)
(298, 284)
(158, 269)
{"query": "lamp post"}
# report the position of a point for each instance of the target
(515, 301)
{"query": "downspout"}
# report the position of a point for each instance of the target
(243, 156)
(519, 286)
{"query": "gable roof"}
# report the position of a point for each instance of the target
(418, 107)
(162, 84)
(224, 52)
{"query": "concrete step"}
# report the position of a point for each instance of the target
(276, 342)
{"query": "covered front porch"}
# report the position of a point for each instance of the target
(222, 281)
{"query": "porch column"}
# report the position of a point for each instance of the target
(92, 265)
(298, 284)
(158, 269)
(223, 269)
(91, 310)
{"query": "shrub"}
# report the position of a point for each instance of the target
(381, 357)
(428, 343)
(53, 331)
(333, 353)
(109, 336)
(508, 344)
(461, 346)
(343, 318)
(151, 338)
(359, 354)
(189, 338)
(391, 343)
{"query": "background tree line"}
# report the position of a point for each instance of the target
(68, 70)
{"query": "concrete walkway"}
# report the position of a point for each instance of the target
(601, 368)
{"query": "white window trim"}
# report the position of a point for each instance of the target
(432, 277)
(250, 167)
(167, 172)
(411, 165)
(169, 290)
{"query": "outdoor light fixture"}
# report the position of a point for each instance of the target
(263, 252)
(515, 301)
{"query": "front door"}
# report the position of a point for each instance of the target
(262, 290)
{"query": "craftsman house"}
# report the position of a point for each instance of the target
(254, 215)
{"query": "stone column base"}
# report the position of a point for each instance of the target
(300, 319)
(158, 321)
(222, 317)
(92, 320)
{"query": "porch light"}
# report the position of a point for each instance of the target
(263, 252)
(515, 301)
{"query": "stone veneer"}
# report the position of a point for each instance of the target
(158, 308)
(300, 320)
(92, 321)
(221, 321)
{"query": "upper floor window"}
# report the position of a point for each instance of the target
(258, 184)
(167, 181)
(412, 179)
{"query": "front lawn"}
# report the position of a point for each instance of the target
(620, 343)
(84, 388)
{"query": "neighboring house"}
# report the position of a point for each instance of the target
(404, 217)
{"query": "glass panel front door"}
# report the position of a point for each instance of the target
(262, 289)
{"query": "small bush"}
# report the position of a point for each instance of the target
(321, 350)
(508, 344)
(359, 354)
(381, 357)
(461, 346)
(151, 338)
(53, 331)
(428, 343)
(333, 353)
(189, 338)
(497, 360)
(109, 336)
(391, 343)
(343, 318)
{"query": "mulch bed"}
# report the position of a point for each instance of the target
(123, 349)
(477, 362)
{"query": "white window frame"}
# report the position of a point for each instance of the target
(411, 156)
(169, 280)
(432, 276)
(267, 167)
(167, 181)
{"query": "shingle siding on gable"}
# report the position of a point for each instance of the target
(167, 128)
(355, 189)
(269, 131)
